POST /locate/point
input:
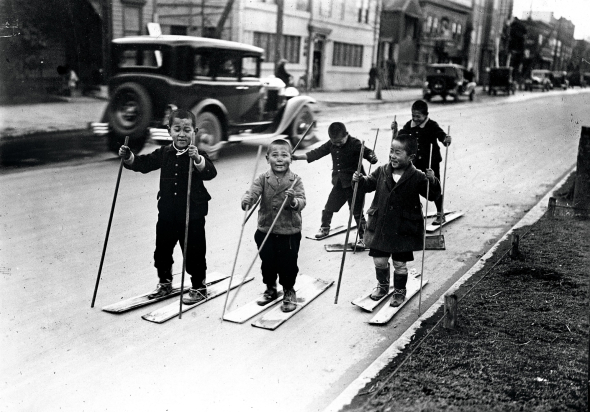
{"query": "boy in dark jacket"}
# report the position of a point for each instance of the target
(427, 133)
(396, 227)
(173, 160)
(345, 151)
(281, 250)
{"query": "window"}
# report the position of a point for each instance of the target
(201, 67)
(178, 30)
(250, 67)
(140, 58)
(427, 24)
(131, 20)
(227, 67)
(326, 8)
(435, 25)
(348, 55)
(363, 11)
(341, 9)
(540, 39)
(302, 5)
(290, 50)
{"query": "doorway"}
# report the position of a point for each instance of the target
(316, 74)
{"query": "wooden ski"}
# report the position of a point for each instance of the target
(170, 311)
(387, 312)
(366, 303)
(143, 300)
(276, 317)
(251, 309)
(339, 247)
(333, 232)
(449, 218)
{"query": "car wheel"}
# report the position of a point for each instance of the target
(210, 134)
(130, 111)
(298, 127)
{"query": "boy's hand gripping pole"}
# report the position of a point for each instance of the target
(356, 185)
(442, 209)
(424, 234)
(186, 223)
(106, 239)
(356, 239)
(231, 277)
(262, 244)
(292, 151)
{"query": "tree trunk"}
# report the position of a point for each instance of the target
(582, 185)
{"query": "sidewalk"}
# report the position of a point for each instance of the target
(73, 114)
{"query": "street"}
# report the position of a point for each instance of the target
(59, 354)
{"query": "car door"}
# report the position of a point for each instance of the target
(226, 86)
(251, 89)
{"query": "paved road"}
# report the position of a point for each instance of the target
(58, 354)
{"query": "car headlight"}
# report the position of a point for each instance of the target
(425, 84)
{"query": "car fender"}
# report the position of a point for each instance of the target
(199, 107)
(293, 107)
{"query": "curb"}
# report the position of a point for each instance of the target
(346, 397)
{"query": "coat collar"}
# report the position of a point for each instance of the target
(286, 182)
(421, 125)
(389, 176)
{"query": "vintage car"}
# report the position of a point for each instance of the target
(500, 78)
(576, 78)
(447, 80)
(219, 81)
(560, 80)
(539, 79)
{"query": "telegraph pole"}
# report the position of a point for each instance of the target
(279, 38)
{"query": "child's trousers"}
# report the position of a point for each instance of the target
(171, 232)
(337, 198)
(279, 257)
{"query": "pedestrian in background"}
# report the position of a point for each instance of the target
(395, 226)
(281, 72)
(280, 252)
(427, 133)
(345, 151)
(373, 74)
(173, 162)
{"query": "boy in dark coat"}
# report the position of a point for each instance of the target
(395, 226)
(345, 151)
(427, 133)
(281, 250)
(173, 160)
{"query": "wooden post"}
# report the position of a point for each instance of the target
(378, 89)
(582, 185)
(551, 210)
(450, 311)
(515, 239)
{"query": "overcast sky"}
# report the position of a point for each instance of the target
(578, 11)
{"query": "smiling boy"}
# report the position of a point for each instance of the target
(395, 223)
(173, 162)
(281, 250)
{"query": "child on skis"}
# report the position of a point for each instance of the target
(281, 250)
(173, 162)
(395, 224)
(345, 151)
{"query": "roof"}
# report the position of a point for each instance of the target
(409, 7)
(189, 41)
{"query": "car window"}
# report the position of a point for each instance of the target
(227, 67)
(250, 67)
(202, 65)
(140, 58)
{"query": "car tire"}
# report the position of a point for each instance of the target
(130, 110)
(298, 127)
(210, 134)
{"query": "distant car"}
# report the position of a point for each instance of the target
(501, 79)
(560, 80)
(447, 80)
(539, 79)
(578, 79)
(219, 81)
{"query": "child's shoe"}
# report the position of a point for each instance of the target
(399, 295)
(323, 232)
(268, 296)
(194, 296)
(289, 301)
(382, 288)
(360, 244)
(440, 219)
(162, 289)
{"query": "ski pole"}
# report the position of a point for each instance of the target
(424, 235)
(442, 210)
(363, 204)
(186, 223)
(292, 151)
(106, 239)
(356, 185)
(262, 245)
(231, 277)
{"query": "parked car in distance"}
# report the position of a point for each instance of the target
(501, 79)
(578, 79)
(560, 80)
(219, 81)
(447, 80)
(539, 79)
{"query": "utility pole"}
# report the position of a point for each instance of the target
(107, 35)
(279, 37)
(556, 44)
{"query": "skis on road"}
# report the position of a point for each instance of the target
(449, 218)
(251, 309)
(143, 300)
(333, 232)
(276, 317)
(387, 312)
(169, 311)
(366, 303)
(339, 247)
